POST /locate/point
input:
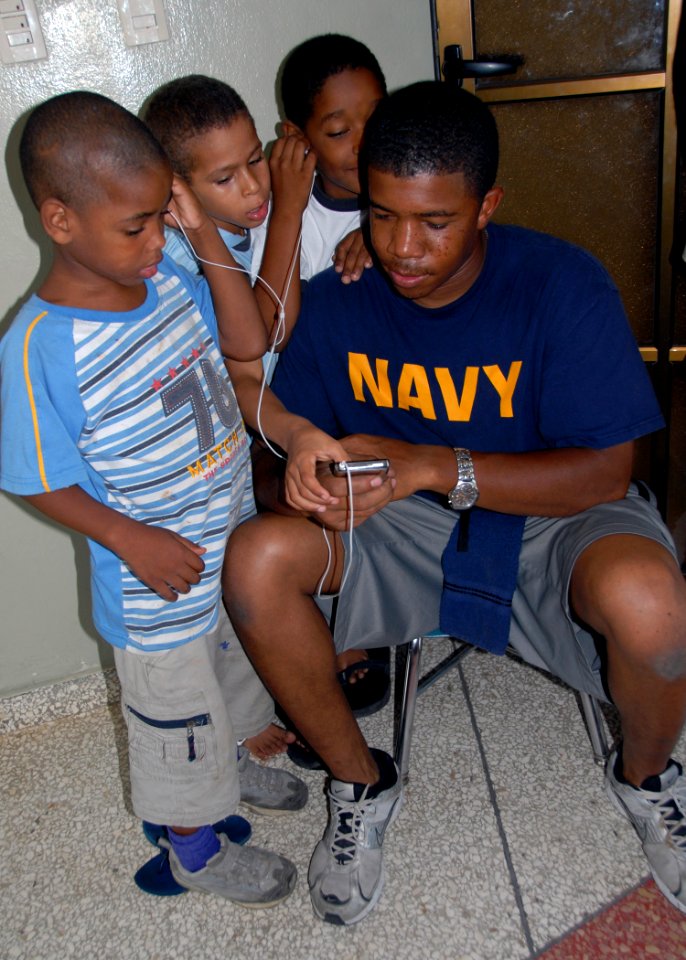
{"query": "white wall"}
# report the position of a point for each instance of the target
(45, 628)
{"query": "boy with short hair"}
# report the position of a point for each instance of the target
(118, 421)
(210, 138)
(209, 135)
(330, 85)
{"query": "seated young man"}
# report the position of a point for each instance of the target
(492, 365)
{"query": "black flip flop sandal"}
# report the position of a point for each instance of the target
(369, 693)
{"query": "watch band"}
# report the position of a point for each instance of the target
(465, 465)
(465, 493)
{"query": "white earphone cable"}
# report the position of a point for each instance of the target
(279, 332)
(278, 337)
(349, 554)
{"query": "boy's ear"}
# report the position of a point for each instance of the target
(56, 218)
(290, 129)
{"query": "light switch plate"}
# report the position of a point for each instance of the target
(143, 21)
(21, 37)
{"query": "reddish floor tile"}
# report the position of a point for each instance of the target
(642, 924)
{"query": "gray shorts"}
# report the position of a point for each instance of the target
(185, 710)
(394, 584)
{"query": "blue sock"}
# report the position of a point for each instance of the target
(194, 849)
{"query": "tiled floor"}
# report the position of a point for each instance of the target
(506, 847)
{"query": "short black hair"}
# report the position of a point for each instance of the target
(186, 108)
(309, 66)
(74, 141)
(433, 127)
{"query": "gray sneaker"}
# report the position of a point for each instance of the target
(268, 790)
(250, 876)
(346, 872)
(657, 811)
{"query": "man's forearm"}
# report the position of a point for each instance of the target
(553, 483)
(546, 483)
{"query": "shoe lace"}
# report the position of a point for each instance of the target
(350, 827)
(672, 809)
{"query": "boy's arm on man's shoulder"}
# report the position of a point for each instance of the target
(351, 257)
(241, 330)
(165, 561)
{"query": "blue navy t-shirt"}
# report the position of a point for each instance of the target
(537, 354)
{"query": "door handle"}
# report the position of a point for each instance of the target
(456, 69)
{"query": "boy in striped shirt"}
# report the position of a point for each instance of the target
(119, 421)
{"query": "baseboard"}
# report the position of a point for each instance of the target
(68, 698)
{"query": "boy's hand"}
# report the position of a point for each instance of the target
(351, 258)
(165, 561)
(292, 166)
(311, 487)
(186, 208)
(308, 448)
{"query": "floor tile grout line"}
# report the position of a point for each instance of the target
(526, 930)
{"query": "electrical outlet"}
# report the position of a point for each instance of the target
(143, 21)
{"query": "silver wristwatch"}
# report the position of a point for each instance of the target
(465, 493)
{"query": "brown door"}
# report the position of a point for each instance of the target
(589, 153)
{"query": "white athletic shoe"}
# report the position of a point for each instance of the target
(657, 811)
(346, 872)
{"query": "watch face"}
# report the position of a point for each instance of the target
(464, 496)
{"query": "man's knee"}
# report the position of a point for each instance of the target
(258, 542)
(638, 601)
(254, 555)
(269, 559)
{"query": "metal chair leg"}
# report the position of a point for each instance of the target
(403, 741)
(595, 727)
(413, 685)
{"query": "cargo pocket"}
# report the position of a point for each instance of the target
(175, 750)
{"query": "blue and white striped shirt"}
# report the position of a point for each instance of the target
(137, 409)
